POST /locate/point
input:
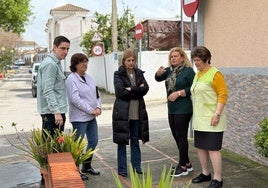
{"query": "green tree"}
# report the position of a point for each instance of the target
(14, 15)
(104, 28)
(124, 23)
(6, 57)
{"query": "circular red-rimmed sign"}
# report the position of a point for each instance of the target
(190, 7)
(97, 49)
(138, 31)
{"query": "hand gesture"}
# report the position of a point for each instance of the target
(161, 71)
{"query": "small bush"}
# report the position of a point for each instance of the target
(146, 181)
(261, 138)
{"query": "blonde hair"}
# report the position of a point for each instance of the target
(127, 54)
(182, 53)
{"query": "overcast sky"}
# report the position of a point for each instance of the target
(140, 8)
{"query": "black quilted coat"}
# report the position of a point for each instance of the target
(121, 106)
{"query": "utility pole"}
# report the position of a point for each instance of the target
(114, 26)
(182, 27)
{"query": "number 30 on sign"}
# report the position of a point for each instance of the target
(97, 50)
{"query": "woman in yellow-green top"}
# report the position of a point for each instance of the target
(209, 96)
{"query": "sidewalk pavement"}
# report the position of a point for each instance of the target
(160, 152)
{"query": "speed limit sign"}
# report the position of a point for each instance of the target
(97, 50)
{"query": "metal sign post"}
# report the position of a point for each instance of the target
(138, 35)
(190, 7)
(139, 55)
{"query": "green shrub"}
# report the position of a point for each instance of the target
(261, 138)
(166, 181)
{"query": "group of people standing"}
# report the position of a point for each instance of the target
(199, 97)
(55, 92)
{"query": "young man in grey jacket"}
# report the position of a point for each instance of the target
(51, 92)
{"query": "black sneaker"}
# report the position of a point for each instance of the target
(215, 184)
(180, 172)
(189, 168)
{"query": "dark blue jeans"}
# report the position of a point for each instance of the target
(88, 128)
(135, 152)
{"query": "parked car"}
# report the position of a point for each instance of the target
(19, 62)
(10, 67)
(34, 71)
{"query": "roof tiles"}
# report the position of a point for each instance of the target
(69, 7)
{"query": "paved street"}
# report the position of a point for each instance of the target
(17, 104)
(16, 171)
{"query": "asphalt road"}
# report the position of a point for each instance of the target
(16, 102)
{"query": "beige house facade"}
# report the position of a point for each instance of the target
(235, 31)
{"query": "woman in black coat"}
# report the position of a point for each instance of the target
(130, 119)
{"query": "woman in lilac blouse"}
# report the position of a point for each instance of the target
(84, 105)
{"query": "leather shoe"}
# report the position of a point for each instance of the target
(91, 171)
(201, 178)
(83, 176)
(215, 184)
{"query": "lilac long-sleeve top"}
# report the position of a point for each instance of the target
(82, 97)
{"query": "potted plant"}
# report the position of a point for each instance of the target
(39, 143)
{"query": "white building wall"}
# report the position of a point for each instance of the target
(66, 27)
(150, 62)
(74, 48)
(102, 68)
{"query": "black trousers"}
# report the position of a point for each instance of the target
(179, 125)
(48, 122)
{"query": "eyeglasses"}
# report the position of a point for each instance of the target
(85, 61)
(64, 48)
